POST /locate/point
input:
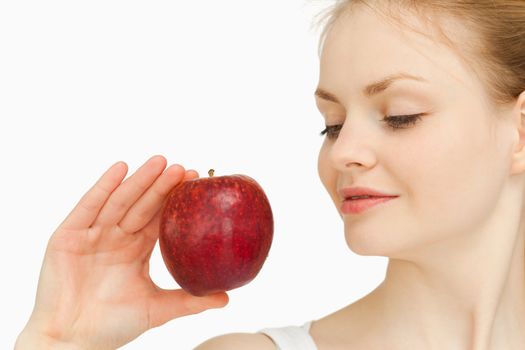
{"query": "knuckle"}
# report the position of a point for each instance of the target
(104, 191)
(118, 204)
(139, 215)
(159, 193)
(139, 184)
(93, 235)
(88, 205)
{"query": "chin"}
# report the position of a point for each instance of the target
(364, 243)
(383, 242)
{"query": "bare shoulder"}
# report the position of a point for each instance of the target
(233, 341)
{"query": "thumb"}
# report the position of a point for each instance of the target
(167, 305)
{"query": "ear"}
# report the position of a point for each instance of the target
(518, 157)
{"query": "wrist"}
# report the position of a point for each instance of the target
(28, 339)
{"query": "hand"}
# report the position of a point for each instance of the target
(95, 291)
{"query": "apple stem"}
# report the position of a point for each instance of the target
(210, 172)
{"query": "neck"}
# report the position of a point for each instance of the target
(466, 294)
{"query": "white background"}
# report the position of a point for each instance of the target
(208, 84)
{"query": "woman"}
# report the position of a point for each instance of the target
(424, 102)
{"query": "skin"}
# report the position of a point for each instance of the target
(455, 235)
(94, 290)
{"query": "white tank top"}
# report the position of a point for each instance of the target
(291, 337)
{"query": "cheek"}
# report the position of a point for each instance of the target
(327, 175)
(455, 177)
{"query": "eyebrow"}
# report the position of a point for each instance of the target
(373, 88)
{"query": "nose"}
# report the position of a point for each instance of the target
(352, 148)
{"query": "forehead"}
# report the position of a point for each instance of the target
(363, 46)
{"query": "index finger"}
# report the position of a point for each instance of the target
(87, 209)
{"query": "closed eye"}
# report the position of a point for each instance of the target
(394, 122)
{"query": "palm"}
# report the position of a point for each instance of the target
(110, 279)
(95, 283)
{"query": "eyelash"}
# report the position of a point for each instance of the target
(394, 122)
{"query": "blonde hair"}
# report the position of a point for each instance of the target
(494, 49)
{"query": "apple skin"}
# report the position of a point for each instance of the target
(215, 233)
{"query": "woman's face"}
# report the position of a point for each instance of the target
(447, 169)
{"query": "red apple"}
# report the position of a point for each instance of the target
(215, 232)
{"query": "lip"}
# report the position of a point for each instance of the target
(346, 193)
(357, 206)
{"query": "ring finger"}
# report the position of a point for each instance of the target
(143, 211)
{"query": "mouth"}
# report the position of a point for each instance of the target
(353, 198)
(359, 192)
(352, 205)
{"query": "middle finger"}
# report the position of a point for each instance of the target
(130, 191)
